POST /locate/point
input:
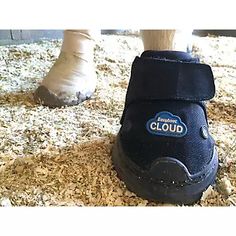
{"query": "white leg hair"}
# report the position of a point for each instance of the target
(178, 40)
(73, 73)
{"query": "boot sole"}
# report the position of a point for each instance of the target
(172, 182)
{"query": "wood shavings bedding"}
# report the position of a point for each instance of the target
(62, 156)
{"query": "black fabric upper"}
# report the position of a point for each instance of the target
(174, 82)
(153, 79)
(170, 55)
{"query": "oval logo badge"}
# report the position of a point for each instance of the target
(166, 124)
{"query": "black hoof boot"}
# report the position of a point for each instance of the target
(164, 151)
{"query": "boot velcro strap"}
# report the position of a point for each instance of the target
(155, 79)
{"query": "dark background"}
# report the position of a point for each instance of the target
(27, 36)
